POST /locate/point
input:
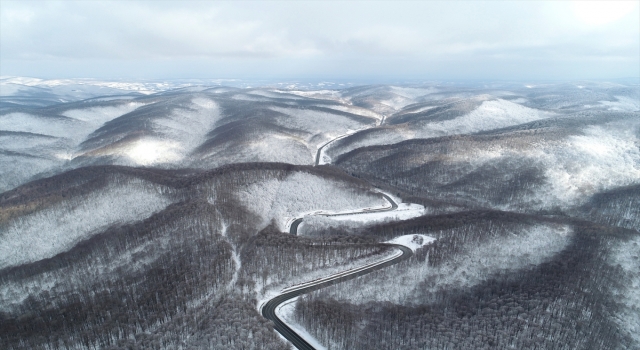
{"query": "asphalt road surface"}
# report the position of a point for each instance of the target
(269, 309)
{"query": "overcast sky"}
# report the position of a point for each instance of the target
(367, 41)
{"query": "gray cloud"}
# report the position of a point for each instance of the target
(374, 40)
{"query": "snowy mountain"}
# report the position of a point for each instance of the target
(428, 216)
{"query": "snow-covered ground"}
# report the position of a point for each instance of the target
(50, 231)
(357, 111)
(320, 122)
(333, 95)
(604, 157)
(528, 247)
(302, 192)
(626, 255)
(286, 310)
(44, 125)
(77, 125)
(181, 132)
(404, 96)
(95, 117)
(412, 242)
(413, 93)
(572, 164)
(600, 158)
(491, 114)
(31, 143)
(315, 222)
(268, 146)
(623, 103)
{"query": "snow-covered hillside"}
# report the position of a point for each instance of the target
(559, 163)
(155, 135)
(428, 122)
(302, 193)
(160, 214)
(45, 233)
(40, 141)
(529, 246)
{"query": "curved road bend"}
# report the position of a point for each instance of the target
(269, 309)
(293, 229)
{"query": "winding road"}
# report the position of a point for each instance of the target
(293, 229)
(319, 153)
(269, 308)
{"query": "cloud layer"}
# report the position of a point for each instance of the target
(377, 40)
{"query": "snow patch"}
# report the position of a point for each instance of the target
(413, 242)
(152, 151)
